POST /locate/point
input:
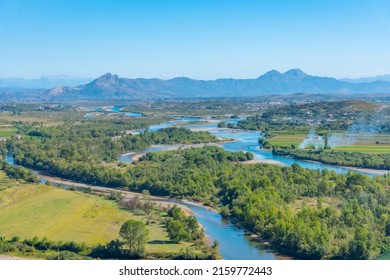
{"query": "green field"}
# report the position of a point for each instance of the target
(61, 215)
(6, 131)
(287, 139)
(364, 149)
(379, 143)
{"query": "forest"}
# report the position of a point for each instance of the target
(349, 219)
(260, 197)
(308, 214)
(95, 141)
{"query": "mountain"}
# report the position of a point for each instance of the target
(45, 82)
(111, 86)
(384, 78)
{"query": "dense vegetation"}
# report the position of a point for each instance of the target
(181, 227)
(78, 151)
(97, 141)
(18, 172)
(376, 161)
(260, 197)
(17, 108)
(57, 250)
(341, 109)
(350, 217)
(354, 225)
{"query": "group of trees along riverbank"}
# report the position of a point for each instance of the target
(306, 213)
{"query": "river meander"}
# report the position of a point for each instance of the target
(234, 242)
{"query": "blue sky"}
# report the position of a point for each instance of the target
(197, 39)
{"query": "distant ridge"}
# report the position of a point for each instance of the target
(45, 82)
(109, 86)
(384, 78)
(112, 87)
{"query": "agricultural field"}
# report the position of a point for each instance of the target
(41, 117)
(364, 149)
(7, 130)
(364, 143)
(287, 139)
(28, 210)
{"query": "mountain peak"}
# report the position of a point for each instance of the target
(272, 73)
(296, 72)
(111, 87)
(108, 77)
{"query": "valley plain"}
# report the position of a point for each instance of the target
(317, 195)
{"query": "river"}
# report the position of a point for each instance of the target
(234, 242)
(246, 141)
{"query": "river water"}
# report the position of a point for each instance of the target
(234, 243)
(246, 141)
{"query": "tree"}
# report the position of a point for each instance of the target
(177, 231)
(135, 235)
(222, 124)
(249, 156)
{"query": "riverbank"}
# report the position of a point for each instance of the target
(256, 161)
(375, 171)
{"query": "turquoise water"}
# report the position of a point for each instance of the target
(234, 244)
(114, 109)
(88, 116)
(246, 141)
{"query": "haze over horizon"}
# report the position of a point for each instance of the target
(62, 76)
(201, 40)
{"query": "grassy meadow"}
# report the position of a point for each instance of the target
(7, 130)
(364, 149)
(28, 210)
